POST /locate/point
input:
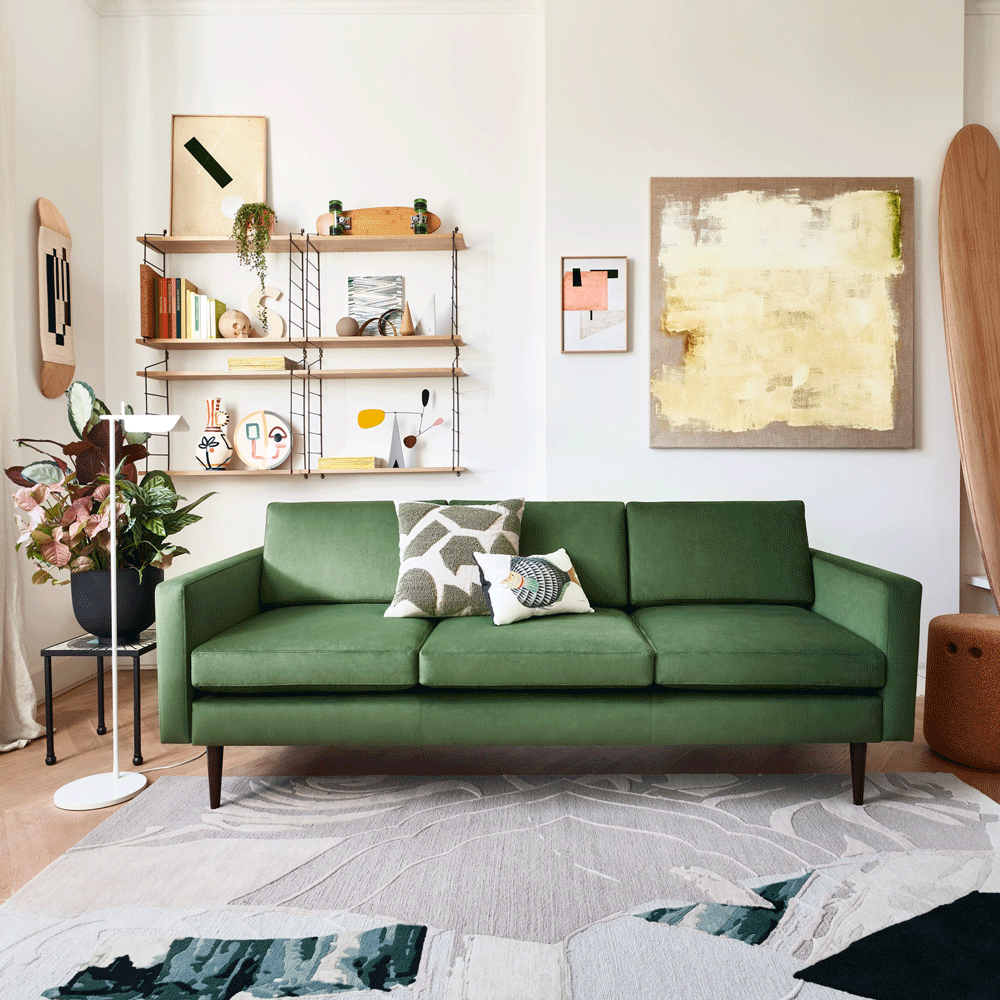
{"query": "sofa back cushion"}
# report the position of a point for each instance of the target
(343, 552)
(593, 534)
(729, 551)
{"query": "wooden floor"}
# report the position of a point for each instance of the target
(33, 832)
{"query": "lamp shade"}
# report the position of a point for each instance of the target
(150, 423)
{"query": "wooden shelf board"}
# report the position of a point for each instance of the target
(299, 373)
(278, 343)
(321, 244)
(314, 472)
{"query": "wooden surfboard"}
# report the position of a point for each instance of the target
(969, 248)
(55, 317)
(392, 221)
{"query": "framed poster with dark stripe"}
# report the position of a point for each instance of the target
(594, 305)
(218, 163)
(55, 302)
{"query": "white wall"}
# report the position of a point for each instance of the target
(375, 110)
(535, 128)
(57, 156)
(737, 88)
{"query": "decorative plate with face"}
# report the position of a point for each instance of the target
(263, 440)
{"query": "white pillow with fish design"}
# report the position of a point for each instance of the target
(519, 587)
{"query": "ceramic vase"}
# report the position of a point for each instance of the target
(214, 451)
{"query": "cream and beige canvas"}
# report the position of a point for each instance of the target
(781, 312)
(218, 163)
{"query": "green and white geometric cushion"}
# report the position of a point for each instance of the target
(438, 573)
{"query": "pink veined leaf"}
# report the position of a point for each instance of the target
(102, 492)
(56, 553)
(24, 530)
(81, 564)
(24, 498)
(77, 511)
(97, 523)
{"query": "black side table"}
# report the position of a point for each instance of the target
(91, 645)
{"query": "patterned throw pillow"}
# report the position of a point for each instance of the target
(518, 587)
(438, 575)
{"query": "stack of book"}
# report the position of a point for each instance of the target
(174, 309)
(352, 462)
(263, 364)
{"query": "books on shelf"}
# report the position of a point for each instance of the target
(352, 462)
(263, 363)
(178, 310)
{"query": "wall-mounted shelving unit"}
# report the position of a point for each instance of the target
(327, 343)
(300, 374)
(304, 333)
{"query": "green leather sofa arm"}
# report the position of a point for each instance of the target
(190, 610)
(883, 608)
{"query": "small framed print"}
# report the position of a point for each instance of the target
(594, 305)
(218, 162)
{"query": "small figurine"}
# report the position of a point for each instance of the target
(235, 324)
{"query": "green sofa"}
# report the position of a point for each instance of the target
(715, 623)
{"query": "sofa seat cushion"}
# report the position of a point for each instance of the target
(601, 650)
(312, 647)
(744, 646)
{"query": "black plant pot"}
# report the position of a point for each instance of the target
(136, 607)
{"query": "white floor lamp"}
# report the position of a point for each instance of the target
(99, 790)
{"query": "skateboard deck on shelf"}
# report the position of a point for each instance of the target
(393, 221)
(55, 327)
(969, 249)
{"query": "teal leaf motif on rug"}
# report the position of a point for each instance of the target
(217, 969)
(750, 924)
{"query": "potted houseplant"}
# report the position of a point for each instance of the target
(252, 228)
(64, 520)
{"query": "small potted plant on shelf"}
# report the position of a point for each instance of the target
(64, 519)
(252, 228)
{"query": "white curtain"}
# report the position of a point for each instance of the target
(17, 694)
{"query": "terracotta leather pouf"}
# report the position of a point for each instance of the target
(962, 698)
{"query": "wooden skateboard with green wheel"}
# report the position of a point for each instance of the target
(392, 221)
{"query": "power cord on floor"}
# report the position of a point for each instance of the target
(166, 767)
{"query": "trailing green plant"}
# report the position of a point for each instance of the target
(252, 232)
(66, 526)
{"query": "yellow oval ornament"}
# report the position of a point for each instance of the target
(370, 418)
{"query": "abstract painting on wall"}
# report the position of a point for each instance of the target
(781, 312)
(218, 162)
(594, 305)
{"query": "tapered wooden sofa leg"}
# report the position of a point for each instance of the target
(214, 776)
(859, 753)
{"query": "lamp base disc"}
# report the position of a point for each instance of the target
(99, 790)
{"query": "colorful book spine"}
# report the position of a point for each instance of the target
(186, 289)
(203, 320)
(220, 308)
(164, 315)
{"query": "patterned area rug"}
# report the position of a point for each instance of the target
(700, 887)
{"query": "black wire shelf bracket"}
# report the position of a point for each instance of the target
(147, 250)
(152, 399)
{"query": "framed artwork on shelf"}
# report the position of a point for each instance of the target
(594, 305)
(218, 163)
(781, 312)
